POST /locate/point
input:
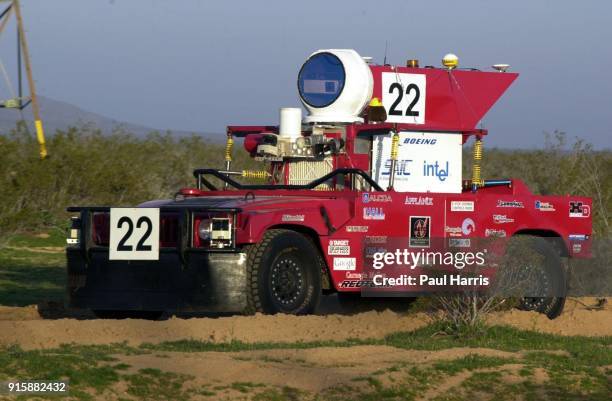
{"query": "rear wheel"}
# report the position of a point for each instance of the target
(547, 284)
(283, 274)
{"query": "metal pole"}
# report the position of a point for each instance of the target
(40, 134)
(19, 73)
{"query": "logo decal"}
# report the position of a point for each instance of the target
(373, 213)
(357, 229)
(345, 264)
(376, 239)
(501, 203)
(459, 242)
(468, 226)
(502, 219)
(491, 232)
(544, 206)
(420, 231)
(339, 247)
(578, 209)
(419, 201)
(293, 217)
(367, 197)
(462, 206)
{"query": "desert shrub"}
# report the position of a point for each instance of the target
(560, 167)
(86, 167)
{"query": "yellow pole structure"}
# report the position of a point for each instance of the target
(40, 133)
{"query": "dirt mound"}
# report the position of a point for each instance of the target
(580, 318)
(259, 328)
(24, 326)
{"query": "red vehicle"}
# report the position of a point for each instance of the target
(377, 159)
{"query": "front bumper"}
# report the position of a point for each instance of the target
(198, 282)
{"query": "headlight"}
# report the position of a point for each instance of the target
(214, 230)
(205, 229)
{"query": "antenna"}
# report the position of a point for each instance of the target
(23, 53)
(386, 48)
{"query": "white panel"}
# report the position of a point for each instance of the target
(134, 234)
(403, 96)
(427, 162)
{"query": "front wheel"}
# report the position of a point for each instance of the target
(283, 274)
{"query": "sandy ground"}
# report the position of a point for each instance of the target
(24, 326)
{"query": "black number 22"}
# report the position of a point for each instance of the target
(409, 112)
(140, 246)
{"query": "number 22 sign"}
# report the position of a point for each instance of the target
(134, 234)
(403, 96)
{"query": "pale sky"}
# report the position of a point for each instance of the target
(200, 65)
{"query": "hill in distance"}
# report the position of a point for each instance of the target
(61, 115)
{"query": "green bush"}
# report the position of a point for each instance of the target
(88, 168)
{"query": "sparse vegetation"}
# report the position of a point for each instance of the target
(86, 167)
(569, 368)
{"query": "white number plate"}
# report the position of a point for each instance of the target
(134, 234)
(403, 96)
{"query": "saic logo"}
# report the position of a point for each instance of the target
(401, 167)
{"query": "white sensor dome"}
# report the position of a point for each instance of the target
(335, 86)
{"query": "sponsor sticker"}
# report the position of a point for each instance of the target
(350, 275)
(544, 206)
(420, 231)
(459, 242)
(373, 213)
(462, 206)
(293, 217)
(453, 231)
(502, 219)
(578, 237)
(356, 283)
(578, 209)
(339, 247)
(468, 226)
(514, 203)
(345, 264)
(419, 201)
(493, 232)
(577, 248)
(357, 229)
(371, 250)
(376, 239)
(368, 197)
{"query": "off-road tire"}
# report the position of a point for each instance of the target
(283, 274)
(553, 277)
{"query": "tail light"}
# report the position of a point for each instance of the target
(100, 230)
(74, 235)
(169, 230)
